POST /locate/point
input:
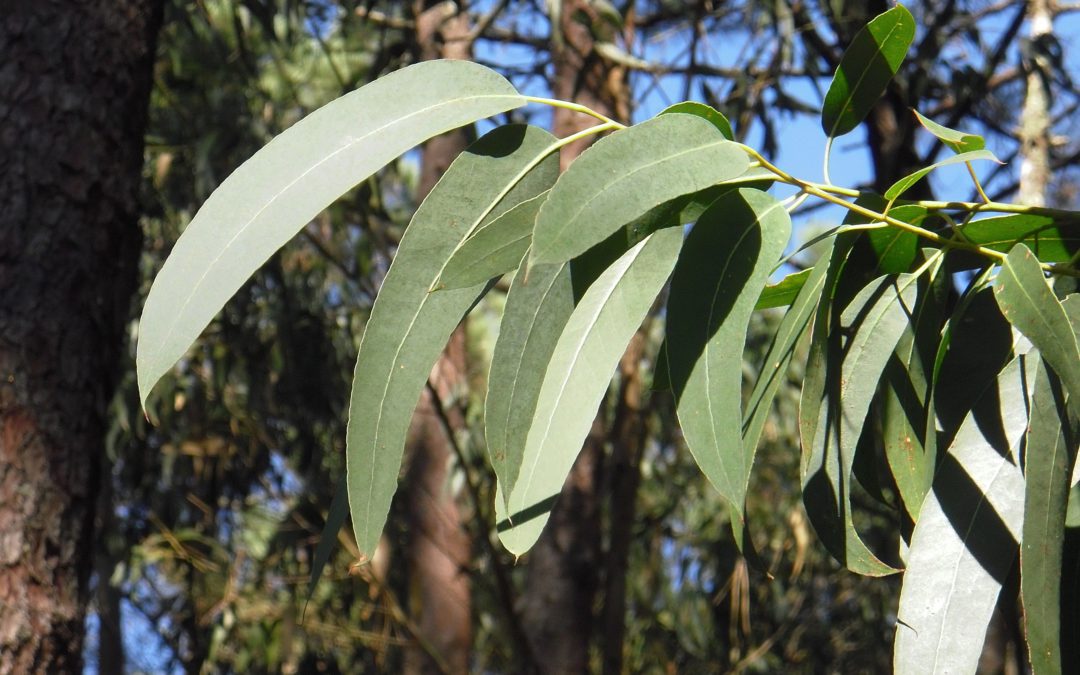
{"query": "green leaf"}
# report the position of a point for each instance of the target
(287, 183)
(858, 345)
(905, 396)
(895, 250)
(714, 116)
(783, 292)
(1028, 303)
(625, 175)
(901, 186)
(495, 249)
(869, 63)
(967, 536)
(576, 381)
(958, 141)
(1048, 239)
(335, 520)
(537, 307)
(721, 270)
(791, 329)
(409, 325)
(1049, 452)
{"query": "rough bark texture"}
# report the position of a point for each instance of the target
(74, 84)
(562, 577)
(439, 549)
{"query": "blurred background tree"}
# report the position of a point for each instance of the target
(209, 519)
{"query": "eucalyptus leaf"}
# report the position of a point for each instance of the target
(1028, 303)
(869, 63)
(714, 116)
(409, 325)
(1050, 240)
(1049, 453)
(625, 175)
(493, 250)
(901, 186)
(576, 379)
(784, 292)
(538, 305)
(289, 181)
(967, 536)
(721, 271)
(957, 141)
(872, 323)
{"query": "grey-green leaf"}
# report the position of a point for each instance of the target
(1051, 240)
(494, 250)
(901, 186)
(868, 64)
(958, 141)
(1049, 452)
(285, 184)
(714, 116)
(1028, 303)
(873, 323)
(791, 329)
(538, 305)
(967, 535)
(720, 273)
(783, 292)
(625, 175)
(577, 378)
(409, 325)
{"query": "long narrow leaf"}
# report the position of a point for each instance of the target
(967, 535)
(901, 186)
(577, 378)
(720, 274)
(625, 175)
(870, 61)
(284, 185)
(1028, 303)
(1049, 451)
(874, 320)
(537, 309)
(409, 325)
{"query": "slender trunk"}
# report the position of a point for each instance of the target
(440, 549)
(1035, 117)
(74, 85)
(562, 577)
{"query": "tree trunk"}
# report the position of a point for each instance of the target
(562, 577)
(74, 85)
(1035, 118)
(439, 549)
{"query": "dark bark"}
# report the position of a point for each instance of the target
(439, 548)
(74, 85)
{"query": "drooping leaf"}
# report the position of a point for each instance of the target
(894, 250)
(1050, 241)
(1028, 303)
(335, 520)
(901, 186)
(536, 312)
(495, 249)
(625, 175)
(721, 271)
(858, 345)
(905, 396)
(958, 141)
(576, 379)
(783, 292)
(791, 329)
(409, 324)
(714, 116)
(967, 535)
(284, 185)
(868, 64)
(1049, 452)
